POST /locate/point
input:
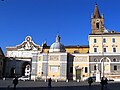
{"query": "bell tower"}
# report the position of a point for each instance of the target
(97, 22)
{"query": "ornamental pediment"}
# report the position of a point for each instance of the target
(79, 67)
(95, 45)
(28, 44)
(104, 45)
(114, 45)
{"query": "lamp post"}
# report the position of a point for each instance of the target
(102, 63)
(14, 71)
(46, 66)
(103, 66)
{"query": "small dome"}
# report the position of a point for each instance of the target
(57, 46)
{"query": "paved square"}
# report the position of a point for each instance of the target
(40, 85)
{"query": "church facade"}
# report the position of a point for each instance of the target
(68, 62)
(58, 64)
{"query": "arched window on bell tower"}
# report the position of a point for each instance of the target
(97, 25)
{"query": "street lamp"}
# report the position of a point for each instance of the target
(102, 63)
(103, 68)
(14, 70)
(46, 67)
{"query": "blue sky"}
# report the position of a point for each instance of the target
(43, 19)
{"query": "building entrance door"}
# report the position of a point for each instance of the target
(78, 74)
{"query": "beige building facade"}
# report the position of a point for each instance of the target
(104, 49)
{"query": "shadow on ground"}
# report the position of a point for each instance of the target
(111, 86)
(86, 87)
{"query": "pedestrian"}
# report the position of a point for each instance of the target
(90, 81)
(49, 82)
(15, 82)
(102, 83)
(106, 82)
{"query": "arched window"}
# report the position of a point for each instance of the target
(95, 60)
(114, 60)
(97, 25)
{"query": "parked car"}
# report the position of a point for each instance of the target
(93, 78)
(24, 78)
(110, 79)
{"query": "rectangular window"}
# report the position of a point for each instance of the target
(86, 70)
(40, 58)
(104, 40)
(71, 69)
(104, 49)
(95, 49)
(115, 67)
(95, 41)
(114, 49)
(113, 40)
(95, 67)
